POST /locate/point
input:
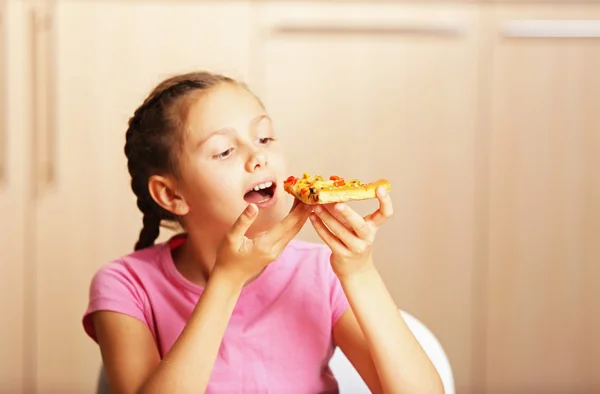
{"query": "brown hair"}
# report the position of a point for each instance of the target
(153, 139)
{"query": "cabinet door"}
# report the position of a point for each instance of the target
(387, 90)
(97, 62)
(544, 200)
(15, 274)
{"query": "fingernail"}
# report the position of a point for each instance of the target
(313, 217)
(318, 209)
(340, 207)
(381, 190)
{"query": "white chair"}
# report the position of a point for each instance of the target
(348, 378)
(102, 386)
(350, 381)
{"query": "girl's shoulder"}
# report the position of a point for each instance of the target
(130, 284)
(134, 266)
(143, 264)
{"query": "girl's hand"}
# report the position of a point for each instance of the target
(241, 258)
(350, 236)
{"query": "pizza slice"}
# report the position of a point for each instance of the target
(314, 189)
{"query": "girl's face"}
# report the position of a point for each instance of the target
(231, 157)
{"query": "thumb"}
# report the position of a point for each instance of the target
(243, 223)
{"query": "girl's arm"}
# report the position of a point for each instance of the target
(130, 357)
(372, 332)
(373, 329)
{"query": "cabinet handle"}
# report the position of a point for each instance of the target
(334, 28)
(571, 28)
(43, 79)
(3, 100)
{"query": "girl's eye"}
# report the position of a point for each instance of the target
(266, 140)
(224, 155)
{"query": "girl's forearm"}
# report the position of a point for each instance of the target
(188, 365)
(403, 367)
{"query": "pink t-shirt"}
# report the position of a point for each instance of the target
(279, 338)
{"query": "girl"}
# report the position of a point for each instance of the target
(235, 304)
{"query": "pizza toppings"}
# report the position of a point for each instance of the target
(291, 180)
(315, 189)
(337, 181)
(313, 183)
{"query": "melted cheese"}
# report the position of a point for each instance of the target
(319, 183)
(316, 189)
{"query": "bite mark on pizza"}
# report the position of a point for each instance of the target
(314, 189)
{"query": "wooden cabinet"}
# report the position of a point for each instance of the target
(388, 90)
(90, 79)
(483, 116)
(14, 199)
(544, 3)
(542, 296)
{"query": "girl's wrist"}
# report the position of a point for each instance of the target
(359, 277)
(226, 279)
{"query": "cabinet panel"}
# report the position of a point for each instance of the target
(389, 91)
(90, 82)
(13, 197)
(543, 294)
(540, 3)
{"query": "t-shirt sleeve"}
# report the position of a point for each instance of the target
(114, 288)
(337, 297)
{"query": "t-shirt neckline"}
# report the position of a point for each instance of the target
(171, 270)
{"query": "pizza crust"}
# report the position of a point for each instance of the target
(315, 190)
(363, 192)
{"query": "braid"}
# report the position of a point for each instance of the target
(151, 211)
(152, 137)
(149, 232)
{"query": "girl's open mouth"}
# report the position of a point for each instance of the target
(260, 193)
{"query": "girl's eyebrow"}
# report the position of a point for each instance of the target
(229, 131)
(223, 131)
(259, 118)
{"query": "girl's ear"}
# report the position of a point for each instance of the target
(163, 191)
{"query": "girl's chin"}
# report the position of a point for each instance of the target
(265, 222)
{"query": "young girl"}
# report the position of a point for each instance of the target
(235, 304)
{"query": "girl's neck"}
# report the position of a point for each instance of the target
(196, 258)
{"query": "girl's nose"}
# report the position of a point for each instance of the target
(258, 160)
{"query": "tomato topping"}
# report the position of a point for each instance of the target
(305, 190)
(337, 181)
(292, 179)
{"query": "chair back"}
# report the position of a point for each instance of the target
(350, 381)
